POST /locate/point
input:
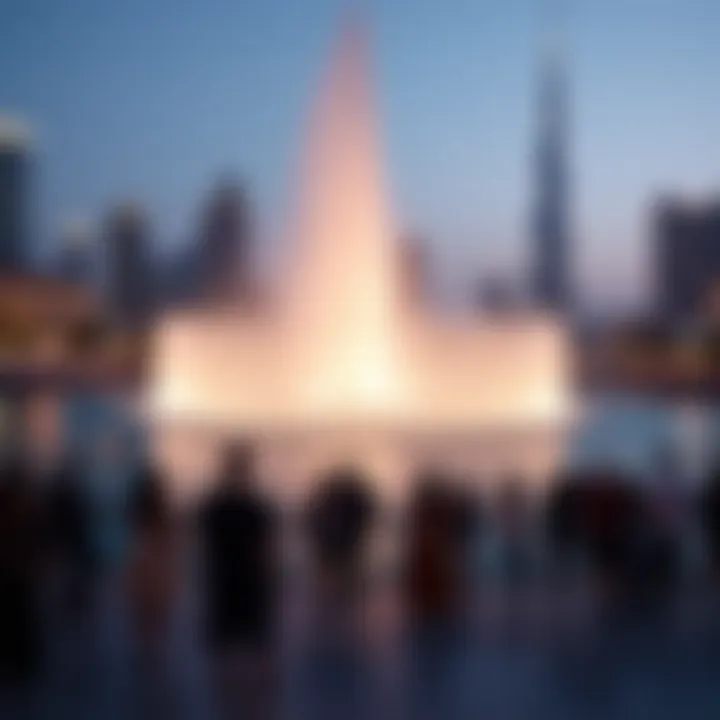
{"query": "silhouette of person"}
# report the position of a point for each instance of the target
(152, 563)
(238, 537)
(709, 501)
(471, 528)
(613, 513)
(21, 532)
(340, 513)
(435, 588)
(564, 521)
(668, 513)
(513, 515)
(434, 566)
(151, 586)
(69, 515)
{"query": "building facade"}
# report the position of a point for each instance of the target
(15, 170)
(224, 244)
(76, 261)
(687, 250)
(129, 266)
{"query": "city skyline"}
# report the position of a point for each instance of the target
(170, 102)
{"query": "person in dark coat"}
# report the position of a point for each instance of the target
(238, 544)
(667, 505)
(21, 534)
(339, 515)
(612, 512)
(153, 558)
(69, 518)
(152, 585)
(436, 590)
(709, 510)
(514, 513)
(435, 567)
(148, 503)
(564, 520)
(238, 536)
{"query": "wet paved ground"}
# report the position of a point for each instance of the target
(541, 656)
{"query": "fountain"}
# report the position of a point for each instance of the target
(338, 369)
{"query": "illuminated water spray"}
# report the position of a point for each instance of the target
(333, 367)
(343, 301)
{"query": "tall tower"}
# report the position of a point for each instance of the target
(14, 196)
(129, 265)
(224, 261)
(76, 254)
(551, 233)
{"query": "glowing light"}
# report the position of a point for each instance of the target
(339, 350)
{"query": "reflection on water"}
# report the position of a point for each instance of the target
(641, 435)
(289, 464)
(633, 432)
(629, 431)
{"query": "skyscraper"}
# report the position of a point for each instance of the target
(14, 196)
(687, 238)
(129, 265)
(224, 237)
(551, 262)
(76, 255)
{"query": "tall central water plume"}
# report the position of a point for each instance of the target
(343, 304)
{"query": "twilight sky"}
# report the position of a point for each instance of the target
(153, 99)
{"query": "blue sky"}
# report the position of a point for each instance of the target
(154, 99)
